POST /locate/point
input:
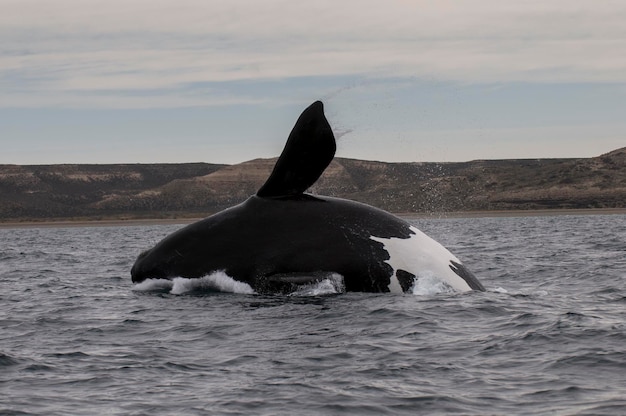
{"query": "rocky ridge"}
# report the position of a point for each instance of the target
(184, 190)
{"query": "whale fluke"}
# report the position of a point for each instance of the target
(309, 150)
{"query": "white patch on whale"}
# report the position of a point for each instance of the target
(214, 282)
(423, 257)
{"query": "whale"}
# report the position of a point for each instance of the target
(282, 237)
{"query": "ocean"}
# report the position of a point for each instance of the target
(548, 336)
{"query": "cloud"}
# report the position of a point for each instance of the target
(139, 53)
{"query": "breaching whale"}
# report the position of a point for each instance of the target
(282, 237)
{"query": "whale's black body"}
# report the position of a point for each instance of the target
(283, 237)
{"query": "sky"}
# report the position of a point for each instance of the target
(138, 81)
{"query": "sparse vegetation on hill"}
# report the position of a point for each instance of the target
(179, 190)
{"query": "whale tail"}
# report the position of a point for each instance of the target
(309, 150)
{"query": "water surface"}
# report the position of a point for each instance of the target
(548, 336)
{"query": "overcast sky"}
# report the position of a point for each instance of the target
(87, 81)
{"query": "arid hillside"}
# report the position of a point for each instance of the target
(183, 190)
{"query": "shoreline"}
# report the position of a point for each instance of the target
(63, 223)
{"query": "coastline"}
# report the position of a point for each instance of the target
(64, 223)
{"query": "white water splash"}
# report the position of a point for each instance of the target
(215, 282)
(331, 285)
(153, 285)
(428, 285)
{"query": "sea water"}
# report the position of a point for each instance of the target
(548, 336)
